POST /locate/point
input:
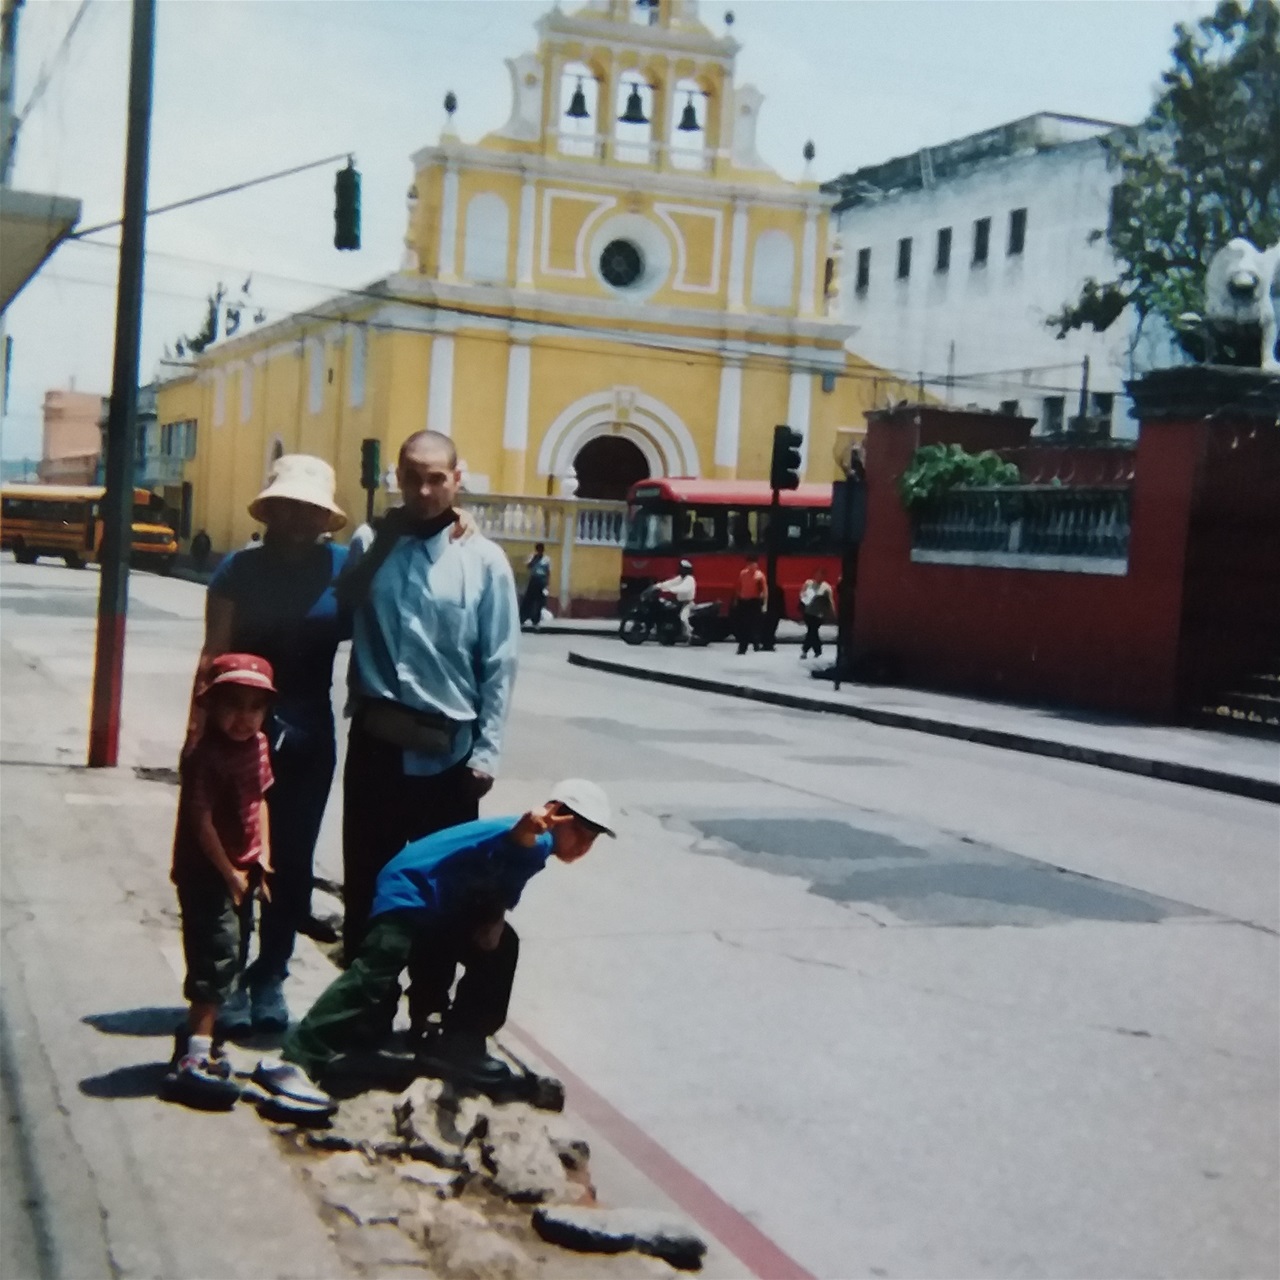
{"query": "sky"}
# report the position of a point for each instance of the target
(247, 87)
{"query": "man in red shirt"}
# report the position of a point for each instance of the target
(749, 600)
(221, 855)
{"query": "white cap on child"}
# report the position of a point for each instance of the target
(587, 801)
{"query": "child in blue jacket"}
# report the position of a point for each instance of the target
(444, 900)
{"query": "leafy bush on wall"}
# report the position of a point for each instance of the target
(936, 469)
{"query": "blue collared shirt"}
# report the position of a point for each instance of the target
(474, 867)
(438, 633)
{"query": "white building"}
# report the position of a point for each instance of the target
(950, 261)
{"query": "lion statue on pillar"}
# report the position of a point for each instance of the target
(1242, 296)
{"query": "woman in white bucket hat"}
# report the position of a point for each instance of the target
(277, 600)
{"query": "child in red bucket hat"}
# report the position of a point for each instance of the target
(221, 856)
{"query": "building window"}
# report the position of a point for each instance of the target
(1054, 409)
(864, 270)
(621, 263)
(773, 270)
(485, 242)
(904, 258)
(944, 250)
(315, 370)
(981, 241)
(359, 352)
(1103, 406)
(178, 439)
(1017, 231)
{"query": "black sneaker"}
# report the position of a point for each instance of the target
(455, 1055)
(202, 1083)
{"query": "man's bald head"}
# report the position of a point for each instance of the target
(434, 442)
(428, 474)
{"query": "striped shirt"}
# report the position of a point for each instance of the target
(227, 781)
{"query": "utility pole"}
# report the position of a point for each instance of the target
(1084, 392)
(8, 80)
(117, 506)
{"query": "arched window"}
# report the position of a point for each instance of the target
(579, 124)
(484, 255)
(687, 136)
(773, 270)
(633, 137)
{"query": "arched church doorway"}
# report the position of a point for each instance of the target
(608, 466)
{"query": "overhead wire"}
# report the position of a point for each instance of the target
(654, 345)
(45, 75)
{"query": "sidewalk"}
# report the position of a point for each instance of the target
(90, 950)
(1196, 757)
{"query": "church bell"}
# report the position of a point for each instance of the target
(689, 118)
(578, 104)
(634, 114)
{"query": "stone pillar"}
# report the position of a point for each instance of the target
(440, 385)
(515, 424)
(809, 263)
(524, 244)
(728, 419)
(799, 397)
(738, 258)
(449, 223)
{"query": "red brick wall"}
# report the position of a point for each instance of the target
(1068, 638)
(1231, 604)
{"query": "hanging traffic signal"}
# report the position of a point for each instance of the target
(370, 463)
(346, 208)
(784, 466)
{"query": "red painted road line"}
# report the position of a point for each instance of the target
(739, 1235)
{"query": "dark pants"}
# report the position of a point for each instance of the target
(303, 772)
(812, 637)
(747, 615)
(354, 1007)
(535, 600)
(383, 810)
(215, 932)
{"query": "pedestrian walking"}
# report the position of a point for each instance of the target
(818, 606)
(221, 859)
(201, 547)
(433, 658)
(749, 599)
(536, 589)
(443, 900)
(277, 599)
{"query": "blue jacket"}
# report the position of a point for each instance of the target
(469, 872)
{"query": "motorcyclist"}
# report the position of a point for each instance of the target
(685, 589)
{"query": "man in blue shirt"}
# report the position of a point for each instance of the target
(433, 659)
(444, 898)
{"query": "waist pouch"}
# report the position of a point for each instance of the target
(406, 727)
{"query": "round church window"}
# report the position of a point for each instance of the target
(621, 263)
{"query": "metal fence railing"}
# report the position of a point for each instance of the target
(1027, 520)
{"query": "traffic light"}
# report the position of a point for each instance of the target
(370, 464)
(346, 208)
(784, 466)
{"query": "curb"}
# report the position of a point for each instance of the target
(1166, 770)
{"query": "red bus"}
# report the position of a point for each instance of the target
(715, 524)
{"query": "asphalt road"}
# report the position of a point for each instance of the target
(909, 1006)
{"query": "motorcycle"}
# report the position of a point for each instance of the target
(654, 613)
(657, 613)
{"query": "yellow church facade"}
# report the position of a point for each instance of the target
(611, 286)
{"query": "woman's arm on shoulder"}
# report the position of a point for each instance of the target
(219, 627)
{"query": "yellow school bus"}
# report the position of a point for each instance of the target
(65, 521)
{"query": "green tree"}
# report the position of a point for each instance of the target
(1202, 169)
